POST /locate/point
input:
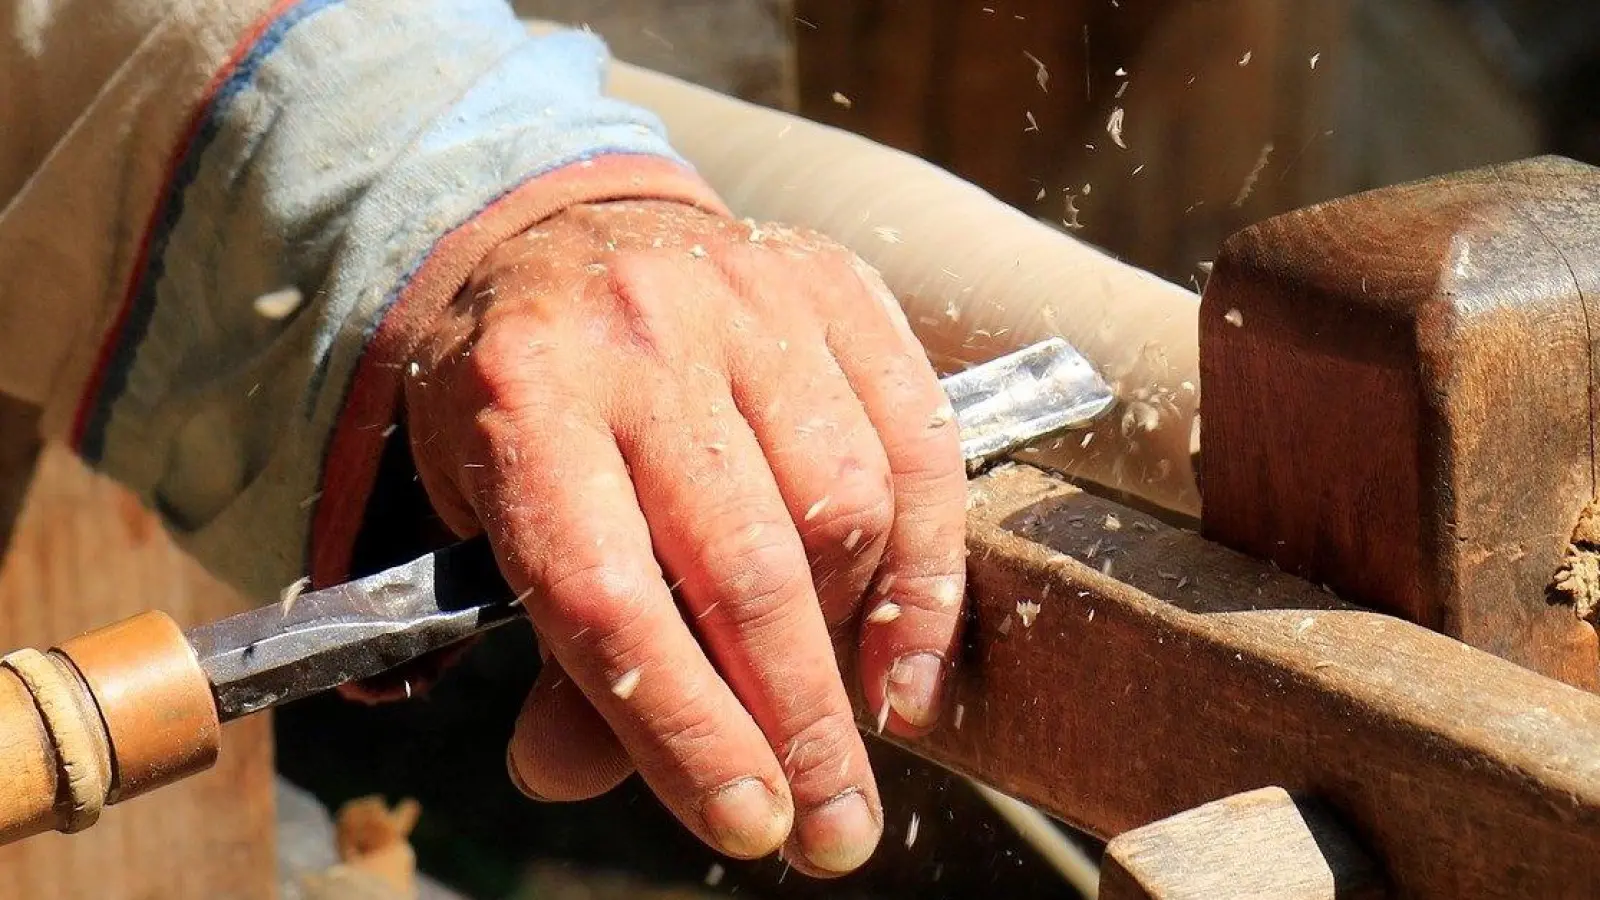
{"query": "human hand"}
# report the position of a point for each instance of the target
(694, 444)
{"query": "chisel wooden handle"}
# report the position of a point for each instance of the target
(106, 716)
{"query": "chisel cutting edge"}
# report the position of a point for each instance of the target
(99, 690)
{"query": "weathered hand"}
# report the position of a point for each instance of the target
(695, 444)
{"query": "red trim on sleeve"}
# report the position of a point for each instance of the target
(351, 464)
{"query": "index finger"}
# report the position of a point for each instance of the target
(912, 616)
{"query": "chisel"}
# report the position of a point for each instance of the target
(122, 710)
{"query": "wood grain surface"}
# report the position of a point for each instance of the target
(1162, 671)
(84, 553)
(1398, 400)
(1258, 845)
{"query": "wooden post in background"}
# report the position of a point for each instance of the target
(1230, 110)
(83, 553)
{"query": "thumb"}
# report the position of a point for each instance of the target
(561, 749)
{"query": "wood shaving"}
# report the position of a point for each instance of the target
(960, 715)
(887, 234)
(911, 830)
(1072, 213)
(697, 251)
(1234, 317)
(817, 508)
(1140, 418)
(624, 686)
(1114, 127)
(1314, 58)
(1578, 580)
(278, 305)
(1250, 180)
(942, 416)
(288, 596)
(1040, 73)
(842, 100)
(884, 614)
(714, 875)
(1027, 611)
(1245, 59)
(1113, 523)
(852, 539)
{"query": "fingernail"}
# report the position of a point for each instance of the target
(913, 689)
(517, 780)
(840, 835)
(746, 819)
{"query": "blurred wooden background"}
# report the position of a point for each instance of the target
(1231, 110)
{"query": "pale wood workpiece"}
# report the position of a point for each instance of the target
(1192, 672)
(1258, 845)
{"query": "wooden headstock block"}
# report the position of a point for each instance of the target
(1398, 400)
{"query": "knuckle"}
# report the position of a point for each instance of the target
(812, 753)
(854, 519)
(939, 591)
(927, 464)
(604, 596)
(762, 573)
(499, 375)
(689, 734)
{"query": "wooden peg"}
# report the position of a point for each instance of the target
(1258, 845)
(1398, 400)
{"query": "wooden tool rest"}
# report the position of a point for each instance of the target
(1397, 406)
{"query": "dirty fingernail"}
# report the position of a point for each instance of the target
(746, 819)
(840, 835)
(517, 779)
(913, 689)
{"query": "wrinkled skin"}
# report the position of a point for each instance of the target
(706, 452)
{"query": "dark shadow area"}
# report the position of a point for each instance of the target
(481, 837)
(19, 451)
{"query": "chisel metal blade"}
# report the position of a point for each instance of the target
(321, 639)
